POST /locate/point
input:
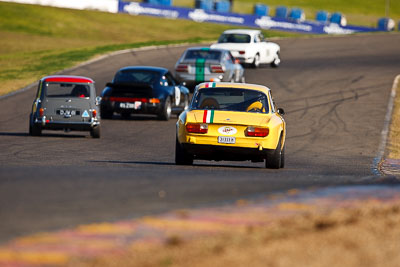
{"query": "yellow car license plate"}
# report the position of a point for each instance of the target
(226, 140)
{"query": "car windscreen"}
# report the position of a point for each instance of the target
(53, 89)
(231, 99)
(136, 76)
(234, 38)
(203, 54)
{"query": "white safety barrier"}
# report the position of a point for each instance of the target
(101, 5)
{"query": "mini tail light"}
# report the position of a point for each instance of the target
(257, 131)
(154, 100)
(217, 69)
(94, 113)
(197, 128)
(41, 112)
(242, 52)
(182, 68)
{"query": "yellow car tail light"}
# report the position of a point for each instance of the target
(201, 128)
(257, 131)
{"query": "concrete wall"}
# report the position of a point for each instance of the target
(102, 5)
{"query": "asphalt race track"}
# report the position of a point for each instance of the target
(334, 90)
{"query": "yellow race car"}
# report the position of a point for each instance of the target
(231, 121)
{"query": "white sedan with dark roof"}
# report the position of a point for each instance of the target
(249, 47)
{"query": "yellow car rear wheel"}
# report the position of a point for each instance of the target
(181, 156)
(274, 159)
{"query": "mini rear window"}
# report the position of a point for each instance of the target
(67, 90)
(203, 54)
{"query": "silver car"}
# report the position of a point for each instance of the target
(204, 64)
(66, 103)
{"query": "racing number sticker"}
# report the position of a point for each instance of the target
(177, 96)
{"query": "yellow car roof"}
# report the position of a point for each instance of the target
(249, 86)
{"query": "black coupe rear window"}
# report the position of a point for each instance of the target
(136, 76)
(66, 90)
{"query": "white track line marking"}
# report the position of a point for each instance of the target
(385, 130)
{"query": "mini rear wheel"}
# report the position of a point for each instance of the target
(95, 132)
(34, 130)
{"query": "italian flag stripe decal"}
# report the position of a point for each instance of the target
(208, 116)
(209, 85)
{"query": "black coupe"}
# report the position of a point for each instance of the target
(144, 90)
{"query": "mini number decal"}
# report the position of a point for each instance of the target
(85, 114)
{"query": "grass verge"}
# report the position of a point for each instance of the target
(37, 40)
(31, 66)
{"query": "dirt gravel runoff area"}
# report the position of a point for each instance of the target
(343, 226)
(366, 235)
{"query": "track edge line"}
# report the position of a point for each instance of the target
(378, 160)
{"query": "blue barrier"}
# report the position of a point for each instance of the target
(322, 16)
(260, 10)
(386, 24)
(281, 12)
(207, 5)
(382, 24)
(297, 14)
(338, 18)
(240, 20)
(165, 2)
(222, 6)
